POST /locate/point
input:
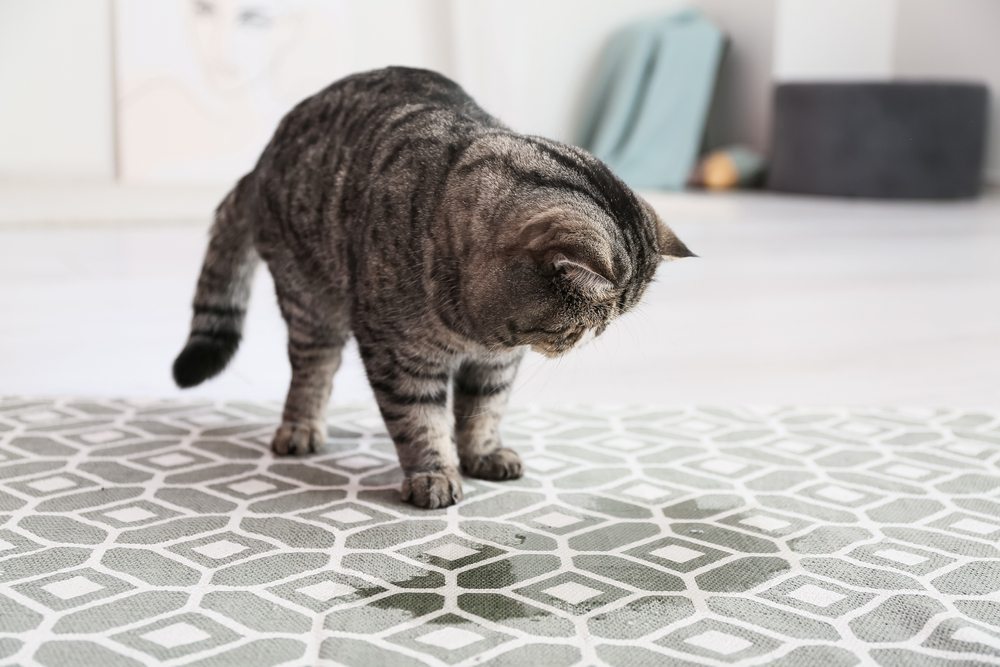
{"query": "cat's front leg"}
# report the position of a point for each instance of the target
(412, 396)
(481, 391)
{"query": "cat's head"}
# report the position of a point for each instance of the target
(568, 263)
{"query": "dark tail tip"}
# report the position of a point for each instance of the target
(202, 359)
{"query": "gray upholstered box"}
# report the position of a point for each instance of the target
(894, 140)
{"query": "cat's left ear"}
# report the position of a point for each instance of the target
(568, 244)
(669, 246)
(584, 275)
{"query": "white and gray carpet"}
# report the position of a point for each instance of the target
(136, 533)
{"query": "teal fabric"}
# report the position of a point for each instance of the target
(652, 99)
(620, 85)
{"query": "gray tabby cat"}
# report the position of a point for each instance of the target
(391, 207)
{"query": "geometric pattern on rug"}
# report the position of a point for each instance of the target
(135, 532)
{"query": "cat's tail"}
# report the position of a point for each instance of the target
(223, 291)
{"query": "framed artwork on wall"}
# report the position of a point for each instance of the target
(201, 84)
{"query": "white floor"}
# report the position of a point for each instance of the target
(793, 300)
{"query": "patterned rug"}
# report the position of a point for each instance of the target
(137, 533)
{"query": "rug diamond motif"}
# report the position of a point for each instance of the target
(165, 532)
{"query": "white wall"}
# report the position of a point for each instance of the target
(56, 89)
(834, 39)
(530, 61)
(527, 61)
(954, 39)
(741, 111)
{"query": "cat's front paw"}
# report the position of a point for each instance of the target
(431, 490)
(297, 438)
(499, 464)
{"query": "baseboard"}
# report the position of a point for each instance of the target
(32, 203)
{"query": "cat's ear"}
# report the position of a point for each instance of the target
(563, 242)
(667, 244)
(582, 275)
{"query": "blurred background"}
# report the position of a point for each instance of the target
(834, 163)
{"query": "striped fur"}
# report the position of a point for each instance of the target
(221, 299)
(390, 207)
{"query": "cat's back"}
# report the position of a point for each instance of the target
(400, 86)
(396, 105)
(350, 110)
(385, 133)
(336, 134)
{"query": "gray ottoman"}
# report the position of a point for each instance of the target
(922, 140)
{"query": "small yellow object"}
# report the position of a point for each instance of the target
(719, 172)
(727, 168)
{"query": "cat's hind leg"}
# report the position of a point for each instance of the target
(481, 391)
(316, 339)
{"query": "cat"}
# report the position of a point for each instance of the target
(391, 207)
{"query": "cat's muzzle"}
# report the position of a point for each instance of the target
(564, 344)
